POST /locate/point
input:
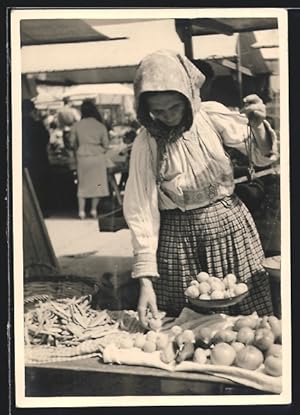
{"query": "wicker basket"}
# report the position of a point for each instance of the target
(41, 288)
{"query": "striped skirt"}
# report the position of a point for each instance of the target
(219, 239)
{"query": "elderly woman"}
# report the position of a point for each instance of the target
(179, 200)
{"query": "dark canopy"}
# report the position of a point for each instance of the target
(54, 31)
(226, 26)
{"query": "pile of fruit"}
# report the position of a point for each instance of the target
(206, 287)
(251, 342)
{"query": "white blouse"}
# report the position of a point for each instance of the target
(196, 172)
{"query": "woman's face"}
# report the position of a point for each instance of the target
(167, 107)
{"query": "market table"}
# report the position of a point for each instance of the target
(109, 363)
(90, 377)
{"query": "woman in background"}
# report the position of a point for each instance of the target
(89, 138)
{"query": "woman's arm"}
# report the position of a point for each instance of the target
(142, 215)
(141, 208)
(73, 140)
(233, 129)
(104, 138)
(255, 110)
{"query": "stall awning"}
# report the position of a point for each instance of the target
(189, 28)
(115, 62)
(55, 31)
(99, 89)
(117, 74)
(226, 26)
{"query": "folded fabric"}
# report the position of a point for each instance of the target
(136, 357)
(254, 379)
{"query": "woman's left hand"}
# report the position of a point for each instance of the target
(254, 109)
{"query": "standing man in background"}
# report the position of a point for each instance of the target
(66, 117)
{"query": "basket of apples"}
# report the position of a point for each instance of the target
(212, 292)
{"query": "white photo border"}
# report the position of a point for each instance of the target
(16, 64)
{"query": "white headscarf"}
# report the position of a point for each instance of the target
(164, 71)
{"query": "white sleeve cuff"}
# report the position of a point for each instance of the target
(144, 265)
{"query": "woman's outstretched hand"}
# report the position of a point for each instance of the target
(147, 301)
(254, 109)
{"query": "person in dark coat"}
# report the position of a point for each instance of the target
(35, 138)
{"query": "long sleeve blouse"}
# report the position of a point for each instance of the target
(195, 172)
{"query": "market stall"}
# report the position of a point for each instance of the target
(196, 353)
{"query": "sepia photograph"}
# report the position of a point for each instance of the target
(150, 207)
